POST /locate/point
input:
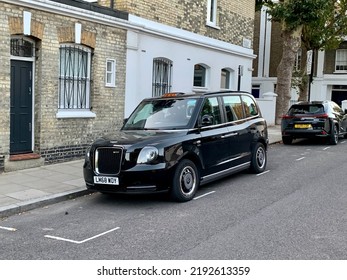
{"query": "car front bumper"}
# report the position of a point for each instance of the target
(151, 180)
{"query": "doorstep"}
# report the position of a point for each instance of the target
(24, 156)
(23, 161)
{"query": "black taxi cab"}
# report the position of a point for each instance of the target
(178, 142)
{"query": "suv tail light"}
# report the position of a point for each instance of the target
(287, 117)
(323, 116)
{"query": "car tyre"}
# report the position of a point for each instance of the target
(185, 181)
(334, 136)
(287, 140)
(259, 158)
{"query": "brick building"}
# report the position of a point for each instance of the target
(54, 95)
(71, 70)
(329, 69)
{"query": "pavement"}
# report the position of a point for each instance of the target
(31, 188)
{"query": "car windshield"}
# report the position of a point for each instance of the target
(161, 114)
(306, 109)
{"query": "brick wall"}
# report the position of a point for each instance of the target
(234, 18)
(61, 139)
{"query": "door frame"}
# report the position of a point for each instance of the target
(32, 60)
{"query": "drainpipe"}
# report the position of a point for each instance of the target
(112, 4)
(240, 74)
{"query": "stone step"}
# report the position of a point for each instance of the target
(23, 161)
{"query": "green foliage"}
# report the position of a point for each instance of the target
(329, 29)
(295, 13)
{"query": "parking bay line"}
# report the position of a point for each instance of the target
(82, 241)
(298, 159)
(200, 196)
(267, 171)
(8, 228)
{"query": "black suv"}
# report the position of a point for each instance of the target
(323, 119)
(177, 142)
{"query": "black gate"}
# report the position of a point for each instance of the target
(21, 107)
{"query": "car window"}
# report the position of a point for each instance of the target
(336, 108)
(249, 106)
(233, 107)
(161, 114)
(211, 108)
(306, 109)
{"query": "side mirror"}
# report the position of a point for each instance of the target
(206, 120)
(125, 120)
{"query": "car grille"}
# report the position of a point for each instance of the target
(108, 160)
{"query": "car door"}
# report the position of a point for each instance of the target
(215, 140)
(340, 116)
(239, 131)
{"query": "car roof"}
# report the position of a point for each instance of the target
(196, 94)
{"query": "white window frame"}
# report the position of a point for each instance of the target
(341, 60)
(226, 76)
(211, 19)
(298, 59)
(110, 73)
(76, 112)
(205, 78)
(161, 76)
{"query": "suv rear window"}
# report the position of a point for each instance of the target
(306, 109)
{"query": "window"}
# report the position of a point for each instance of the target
(22, 47)
(233, 108)
(256, 91)
(74, 79)
(225, 79)
(211, 109)
(161, 80)
(341, 60)
(110, 73)
(249, 106)
(212, 12)
(298, 59)
(199, 75)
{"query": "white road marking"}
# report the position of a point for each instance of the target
(82, 241)
(343, 142)
(267, 171)
(200, 196)
(8, 228)
(326, 148)
(298, 159)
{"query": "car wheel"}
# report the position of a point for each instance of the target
(334, 136)
(259, 158)
(185, 181)
(287, 140)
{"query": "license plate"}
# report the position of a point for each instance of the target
(105, 180)
(302, 125)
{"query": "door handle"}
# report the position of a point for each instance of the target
(229, 135)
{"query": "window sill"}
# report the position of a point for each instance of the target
(212, 25)
(200, 89)
(74, 114)
(110, 85)
(340, 72)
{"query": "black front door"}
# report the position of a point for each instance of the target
(21, 107)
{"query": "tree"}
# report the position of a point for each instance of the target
(293, 15)
(325, 34)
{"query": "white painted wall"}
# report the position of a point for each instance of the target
(267, 106)
(184, 49)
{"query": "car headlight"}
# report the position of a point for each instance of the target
(87, 154)
(148, 155)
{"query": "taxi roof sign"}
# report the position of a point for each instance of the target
(172, 94)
